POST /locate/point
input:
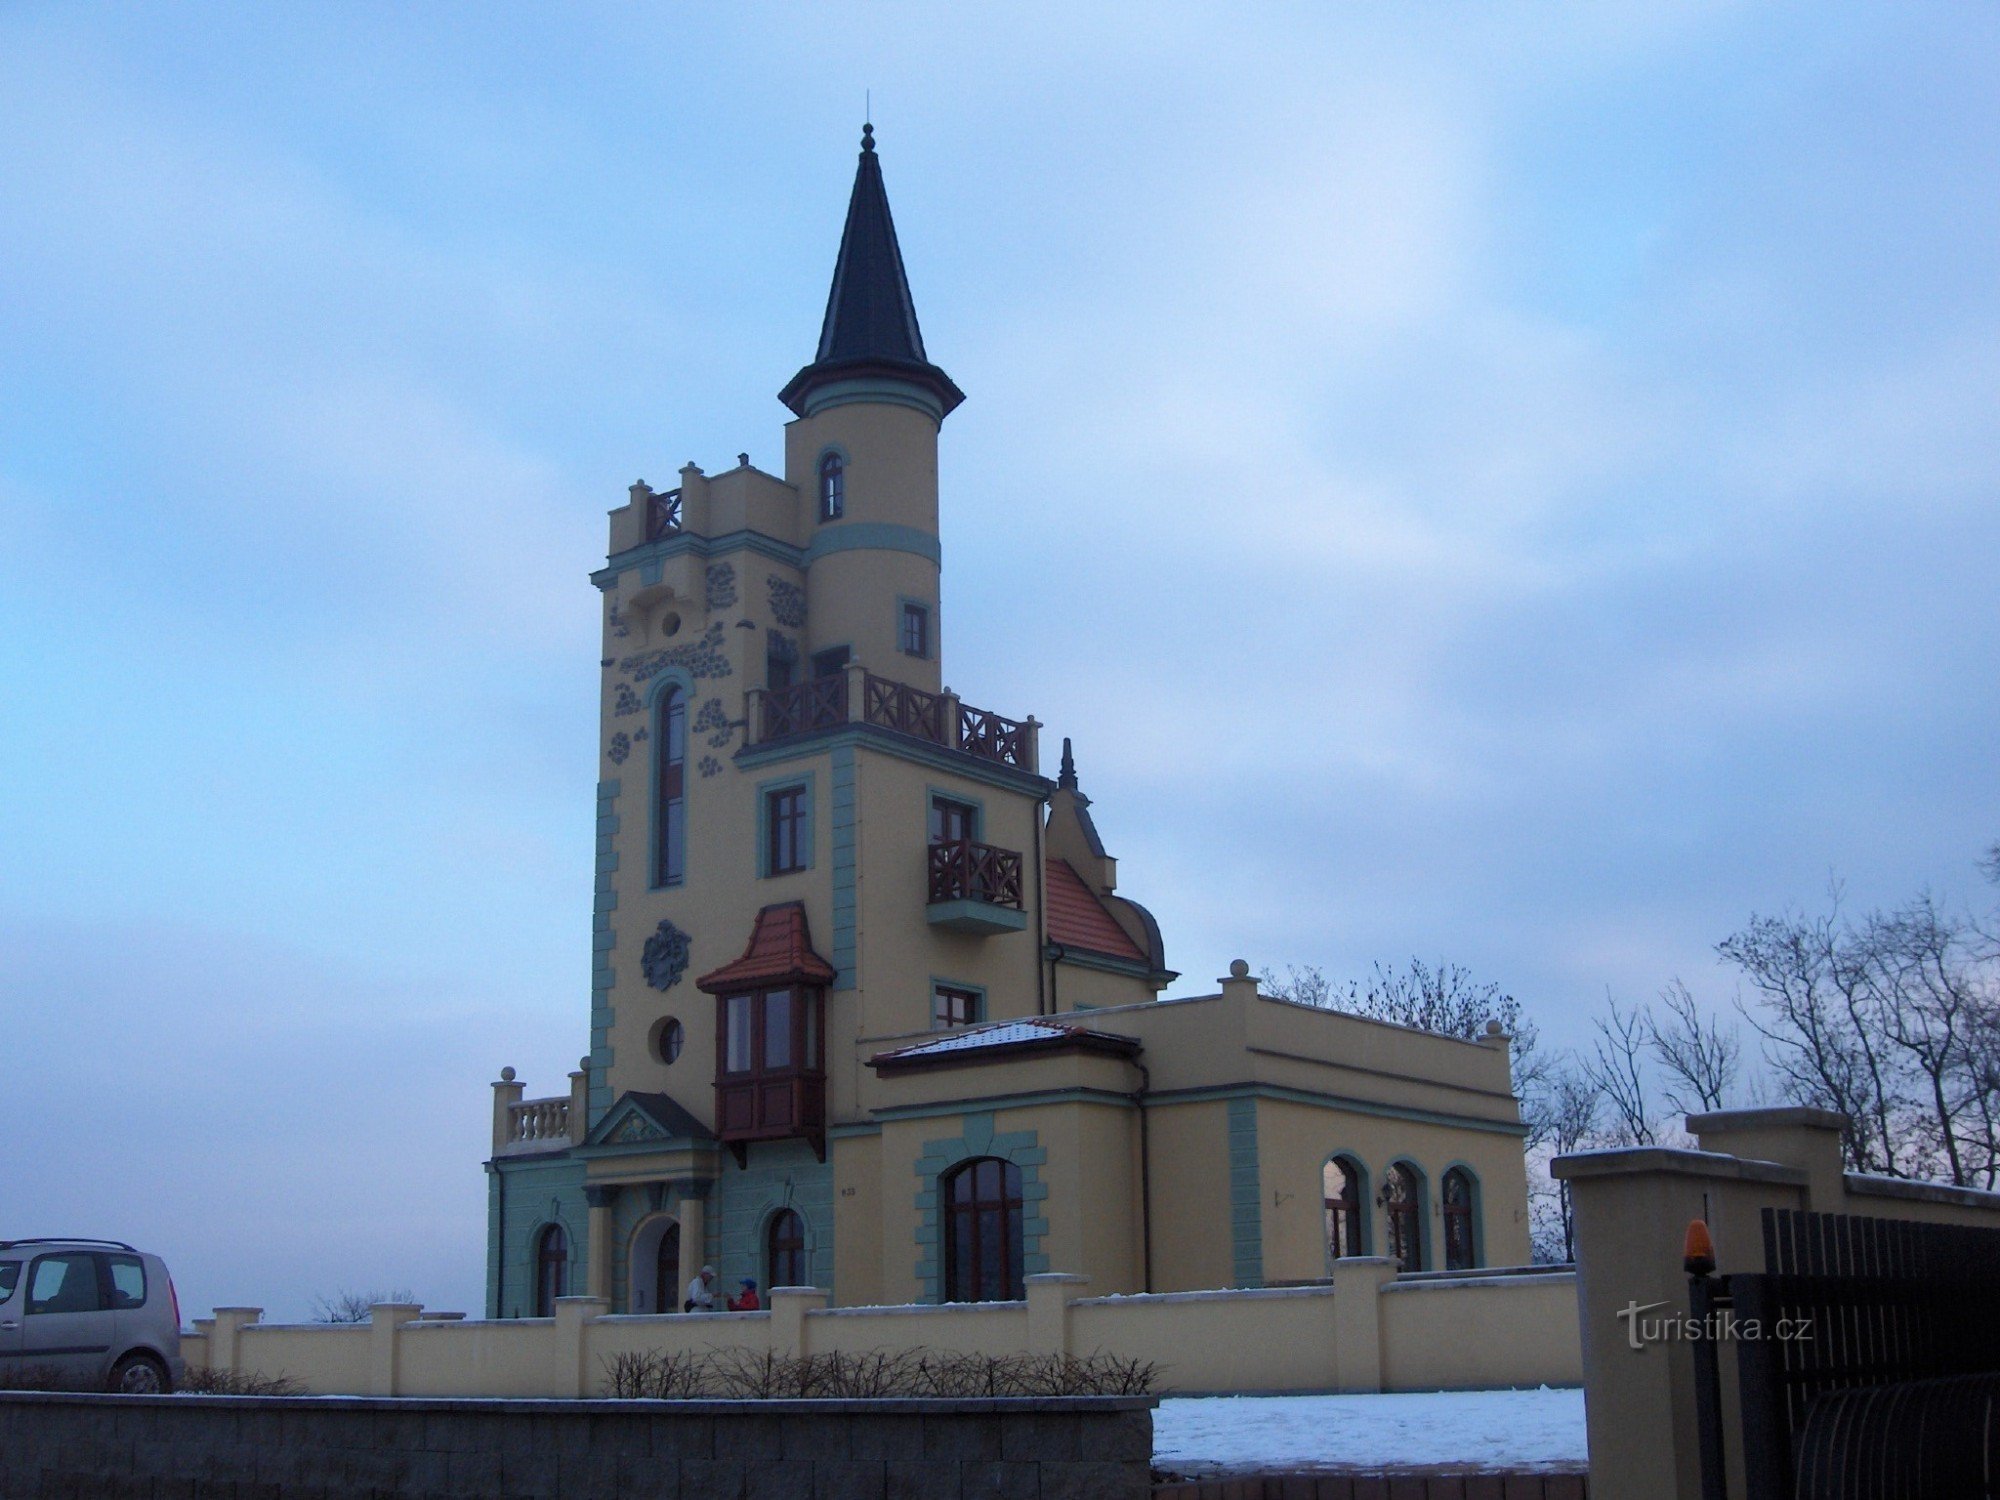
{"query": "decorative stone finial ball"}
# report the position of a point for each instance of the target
(506, 1075)
(1493, 1028)
(583, 1065)
(1239, 968)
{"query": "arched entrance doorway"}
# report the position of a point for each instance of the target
(655, 1266)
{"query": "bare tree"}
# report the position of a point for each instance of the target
(1616, 1067)
(1698, 1058)
(354, 1307)
(1574, 1107)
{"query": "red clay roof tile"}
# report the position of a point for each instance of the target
(1077, 919)
(780, 952)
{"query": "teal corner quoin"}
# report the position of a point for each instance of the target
(843, 809)
(977, 1138)
(603, 939)
(1246, 1207)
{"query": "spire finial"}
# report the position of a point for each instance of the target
(1068, 777)
(867, 139)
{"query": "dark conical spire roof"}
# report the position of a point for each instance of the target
(870, 331)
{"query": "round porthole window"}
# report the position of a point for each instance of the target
(668, 1038)
(670, 624)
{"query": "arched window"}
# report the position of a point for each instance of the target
(832, 486)
(981, 1201)
(1341, 1185)
(1460, 1251)
(551, 1269)
(785, 1246)
(667, 1271)
(670, 805)
(1403, 1197)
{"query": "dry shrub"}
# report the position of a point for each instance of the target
(202, 1381)
(740, 1374)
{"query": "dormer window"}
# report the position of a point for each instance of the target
(832, 487)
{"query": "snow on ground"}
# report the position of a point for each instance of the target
(1487, 1429)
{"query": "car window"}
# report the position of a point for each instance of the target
(10, 1277)
(128, 1280)
(64, 1283)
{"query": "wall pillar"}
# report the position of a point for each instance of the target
(506, 1094)
(597, 1275)
(789, 1306)
(1049, 1297)
(692, 1211)
(385, 1326)
(572, 1373)
(1632, 1210)
(223, 1352)
(579, 1102)
(1357, 1320)
(1794, 1136)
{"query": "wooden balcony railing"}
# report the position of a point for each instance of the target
(964, 871)
(537, 1120)
(817, 703)
(939, 718)
(663, 515)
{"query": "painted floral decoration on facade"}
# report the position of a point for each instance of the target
(721, 581)
(709, 766)
(665, 957)
(621, 746)
(714, 723)
(698, 658)
(627, 701)
(788, 602)
(618, 625)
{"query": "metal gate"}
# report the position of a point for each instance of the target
(1852, 1343)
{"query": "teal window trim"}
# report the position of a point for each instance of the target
(905, 603)
(1364, 1193)
(1478, 1206)
(807, 843)
(978, 1137)
(656, 701)
(977, 991)
(953, 794)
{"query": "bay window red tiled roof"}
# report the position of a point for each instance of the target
(1077, 919)
(780, 952)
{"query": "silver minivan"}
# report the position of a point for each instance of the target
(87, 1315)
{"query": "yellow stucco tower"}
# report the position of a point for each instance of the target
(867, 1009)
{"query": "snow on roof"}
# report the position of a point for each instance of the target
(1001, 1034)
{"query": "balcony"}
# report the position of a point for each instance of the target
(941, 719)
(975, 889)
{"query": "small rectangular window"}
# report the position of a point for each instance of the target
(64, 1283)
(785, 830)
(10, 1277)
(778, 1029)
(736, 1035)
(916, 630)
(951, 1006)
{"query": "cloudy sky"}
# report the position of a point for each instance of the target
(1511, 484)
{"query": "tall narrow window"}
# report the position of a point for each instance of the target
(1341, 1182)
(670, 806)
(1403, 1197)
(551, 1270)
(785, 1245)
(951, 1006)
(1460, 1253)
(832, 487)
(953, 822)
(916, 635)
(785, 830)
(981, 1202)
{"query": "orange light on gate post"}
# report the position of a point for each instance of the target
(1698, 1250)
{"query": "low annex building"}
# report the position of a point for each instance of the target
(868, 1011)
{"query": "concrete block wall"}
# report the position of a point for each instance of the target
(65, 1447)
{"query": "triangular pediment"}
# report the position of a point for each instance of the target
(637, 1119)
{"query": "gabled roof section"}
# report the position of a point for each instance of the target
(635, 1118)
(870, 329)
(1000, 1041)
(1077, 919)
(780, 951)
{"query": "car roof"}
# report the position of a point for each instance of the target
(61, 1240)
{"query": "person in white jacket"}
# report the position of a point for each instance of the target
(701, 1292)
